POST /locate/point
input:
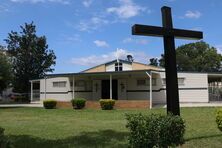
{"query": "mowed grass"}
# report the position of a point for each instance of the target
(37, 127)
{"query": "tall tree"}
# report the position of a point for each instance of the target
(5, 69)
(31, 57)
(198, 56)
(154, 62)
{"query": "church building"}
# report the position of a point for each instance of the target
(132, 84)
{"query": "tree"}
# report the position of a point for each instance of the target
(154, 62)
(161, 61)
(31, 57)
(5, 70)
(198, 56)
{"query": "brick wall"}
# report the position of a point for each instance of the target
(120, 104)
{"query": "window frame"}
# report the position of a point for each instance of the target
(80, 83)
(58, 84)
(118, 66)
(144, 84)
(178, 80)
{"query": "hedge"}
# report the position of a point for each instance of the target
(78, 103)
(107, 104)
(49, 104)
(219, 119)
(155, 130)
(4, 142)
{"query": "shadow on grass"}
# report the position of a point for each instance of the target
(106, 138)
(204, 137)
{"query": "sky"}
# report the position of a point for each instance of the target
(85, 33)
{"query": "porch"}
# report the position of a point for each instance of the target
(130, 88)
(215, 87)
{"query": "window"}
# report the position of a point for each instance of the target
(153, 82)
(180, 81)
(141, 82)
(144, 82)
(80, 83)
(71, 84)
(118, 66)
(59, 84)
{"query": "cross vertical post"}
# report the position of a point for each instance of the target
(172, 94)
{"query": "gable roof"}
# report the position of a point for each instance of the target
(120, 60)
(135, 66)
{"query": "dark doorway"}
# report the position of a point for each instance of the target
(106, 89)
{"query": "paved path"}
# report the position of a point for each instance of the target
(21, 105)
(211, 104)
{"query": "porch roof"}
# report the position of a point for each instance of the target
(102, 73)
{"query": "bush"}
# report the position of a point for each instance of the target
(219, 119)
(78, 103)
(49, 104)
(107, 104)
(155, 130)
(4, 143)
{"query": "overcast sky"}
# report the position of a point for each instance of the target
(84, 33)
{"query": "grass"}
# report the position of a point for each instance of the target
(36, 127)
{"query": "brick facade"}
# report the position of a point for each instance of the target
(120, 104)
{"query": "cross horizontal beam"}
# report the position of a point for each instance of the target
(146, 30)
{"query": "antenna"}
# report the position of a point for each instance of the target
(117, 55)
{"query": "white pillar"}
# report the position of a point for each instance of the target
(31, 91)
(45, 87)
(151, 91)
(151, 99)
(73, 87)
(111, 92)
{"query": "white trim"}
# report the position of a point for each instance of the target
(36, 80)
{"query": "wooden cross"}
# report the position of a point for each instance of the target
(169, 34)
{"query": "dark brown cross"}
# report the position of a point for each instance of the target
(168, 33)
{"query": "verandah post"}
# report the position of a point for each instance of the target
(45, 86)
(73, 87)
(31, 91)
(111, 91)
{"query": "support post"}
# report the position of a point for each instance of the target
(111, 91)
(73, 87)
(151, 95)
(45, 87)
(31, 91)
(151, 91)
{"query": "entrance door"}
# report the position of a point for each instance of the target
(106, 89)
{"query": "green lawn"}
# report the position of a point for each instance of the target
(35, 127)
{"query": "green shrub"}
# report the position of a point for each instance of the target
(49, 104)
(219, 119)
(4, 142)
(155, 130)
(107, 104)
(78, 103)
